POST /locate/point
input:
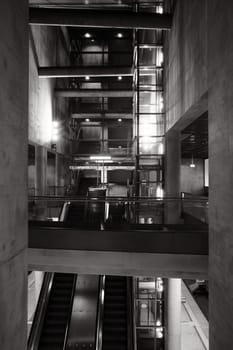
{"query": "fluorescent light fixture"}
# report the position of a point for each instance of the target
(100, 157)
(192, 164)
(55, 124)
(87, 35)
(104, 161)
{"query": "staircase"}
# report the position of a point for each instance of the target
(115, 329)
(58, 312)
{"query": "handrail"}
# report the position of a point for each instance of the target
(134, 315)
(64, 212)
(130, 315)
(34, 337)
(100, 314)
(70, 313)
(115, 199)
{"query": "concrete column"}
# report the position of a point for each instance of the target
(13, 174)
(172, 175)
(173, 314)
(220, 106)
(41, 181)
(105, 137)
(41, 170)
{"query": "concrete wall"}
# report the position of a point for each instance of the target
(192, 179)
(13, 174)
(220, 58)
(186, 61)
(47, 49)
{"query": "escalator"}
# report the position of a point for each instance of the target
(76, 214)
(115, 315)
(57, 314)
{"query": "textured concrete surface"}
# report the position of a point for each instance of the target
(118, 263)
(172, 176)
(220, 51)
(186, 60)
(13, 174)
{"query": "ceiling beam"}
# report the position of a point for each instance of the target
(102, 115)
(93, 93)
(99, 18)
(80, 72)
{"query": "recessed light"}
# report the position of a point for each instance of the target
(119, 35)
(87, 120)
(119, 120)
(87, 77)
(119, 77)
(87, 35)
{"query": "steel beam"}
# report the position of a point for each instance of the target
(93, 93)
(99, 19)
(102, 115)
(81, 72)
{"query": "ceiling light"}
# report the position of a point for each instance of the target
(192, 164)
(87, 77)
(55, 123)
(120, 77)
(92, 40)
(119, 120)
(87, 120)
(119, 35)
(100, 157)
(87, 35)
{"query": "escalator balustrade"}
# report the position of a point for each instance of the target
(58, 312)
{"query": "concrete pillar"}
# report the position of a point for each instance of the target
(41, 182)
(220, 108)
(173, 314)
(172, 176)
(13, 174)
(105, 137)
(41, 170)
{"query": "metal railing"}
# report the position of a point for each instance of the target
(100, 314)
(136, 210)
(34, 337)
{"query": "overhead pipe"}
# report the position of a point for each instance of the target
(99, 18)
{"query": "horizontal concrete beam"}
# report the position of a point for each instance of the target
(58, 236)
(93, 93)
(102, 115)
(81, 72)
(119, 263)
(99, 18)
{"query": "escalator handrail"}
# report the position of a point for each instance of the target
(130, 315)
(64, 212)
(39, 316)
(100, 314)
(70, 313)
(134, 314)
